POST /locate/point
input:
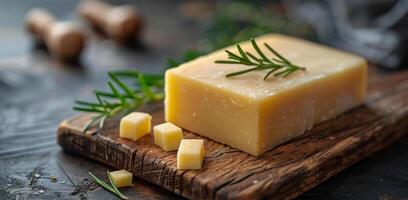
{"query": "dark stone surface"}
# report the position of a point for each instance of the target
(38, 93)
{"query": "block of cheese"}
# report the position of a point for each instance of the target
(167, 136)
(190, 154)
(135, 125)
(121, 178)
(255, 115)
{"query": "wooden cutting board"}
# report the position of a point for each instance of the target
(282, 173)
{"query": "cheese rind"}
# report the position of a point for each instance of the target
(121, 178)
(190, 154)
(167, 136)
(255, 115)
(135, 125)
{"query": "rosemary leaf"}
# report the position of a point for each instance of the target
(85, 103)
(117, 94)
(282, 73)
(92, 109)
(100, 102)
(145, 88)
(122, 85)
(232, 55)
(258, 50)
(113, 96)
(129, 73)
(283, 59)
(271, 72)
(227, 62)
(242, 53)
(252, 56)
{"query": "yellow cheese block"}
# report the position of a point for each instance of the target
(167, 136)
(121, 178)
(190, 154)
(135, 125)
(255, 115)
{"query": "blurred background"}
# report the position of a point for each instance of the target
(376, 29)
(37, 89)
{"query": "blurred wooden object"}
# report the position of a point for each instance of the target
(120, 23)
(64, 40)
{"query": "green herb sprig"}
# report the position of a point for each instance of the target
(279, 66)
(111, 188)
(122, 98)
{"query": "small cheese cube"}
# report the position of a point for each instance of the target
(190, 154)
(135, 125)
(167, 136)
(121, 178)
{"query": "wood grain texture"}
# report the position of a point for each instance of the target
(282, 173)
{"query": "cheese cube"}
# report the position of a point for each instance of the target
(190, 154)
(255, 115)
(135, 125)
(121, 178)
(168, 136)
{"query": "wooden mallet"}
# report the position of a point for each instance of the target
(120, 23)
(64, 40)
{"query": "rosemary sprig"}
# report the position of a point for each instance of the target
(112, 188)
(279, 66)
(122, 98)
